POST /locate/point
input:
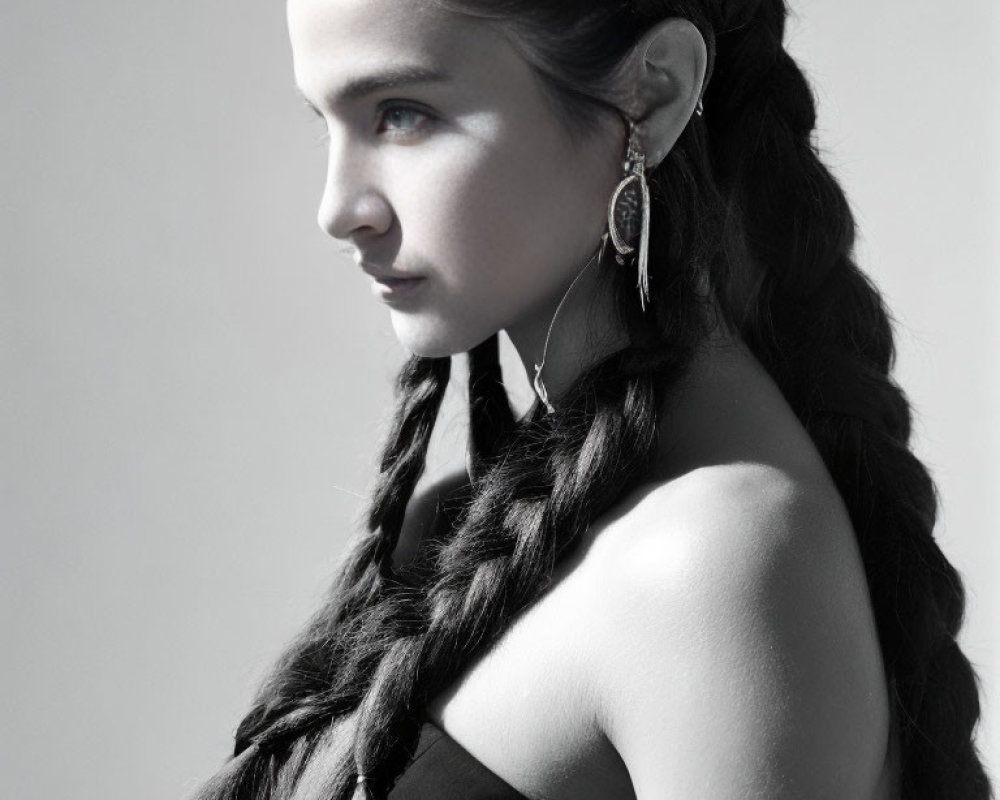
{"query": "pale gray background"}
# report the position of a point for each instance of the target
(193, 379)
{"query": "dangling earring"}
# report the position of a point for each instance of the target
(628, 213)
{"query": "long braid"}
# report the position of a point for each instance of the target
(299, 694)
(820, 328)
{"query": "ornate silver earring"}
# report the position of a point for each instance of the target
(628, 213)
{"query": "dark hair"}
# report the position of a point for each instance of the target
(744, 200)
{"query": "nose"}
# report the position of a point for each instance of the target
(352, 207)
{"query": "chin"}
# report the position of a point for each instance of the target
(435, 338)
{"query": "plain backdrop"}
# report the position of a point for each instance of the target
(193, 380)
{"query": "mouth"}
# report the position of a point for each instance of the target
(393, 287)
(397, 280)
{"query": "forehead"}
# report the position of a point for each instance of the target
(335, 42)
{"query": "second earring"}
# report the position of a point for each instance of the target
(628, 214)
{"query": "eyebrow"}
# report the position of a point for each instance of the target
(393, 78)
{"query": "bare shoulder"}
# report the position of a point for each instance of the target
(735, 650)
(732, 523)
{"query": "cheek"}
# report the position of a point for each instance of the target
(470, 217)
(528, 223)
(501, 226)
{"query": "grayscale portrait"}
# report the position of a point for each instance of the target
(500, 400)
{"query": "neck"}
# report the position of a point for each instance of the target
(571, 333)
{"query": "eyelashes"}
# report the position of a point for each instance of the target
(396, 120)
(394, 115)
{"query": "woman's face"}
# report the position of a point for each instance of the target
(449, 171)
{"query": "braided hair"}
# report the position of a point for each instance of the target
(744, 203)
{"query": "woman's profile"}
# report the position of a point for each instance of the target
(702, 565)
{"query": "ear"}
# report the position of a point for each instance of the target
(664, 75)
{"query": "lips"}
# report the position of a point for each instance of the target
(397, 284)
(388, 276)
(390, 285)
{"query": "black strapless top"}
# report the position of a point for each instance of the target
(442, 769)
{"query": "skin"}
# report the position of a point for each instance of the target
(488, 200)
(712, 637)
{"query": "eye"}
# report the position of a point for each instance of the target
(319, 118)
(401, 120)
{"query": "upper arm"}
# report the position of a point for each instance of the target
(740, 658)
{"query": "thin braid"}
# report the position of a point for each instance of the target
(819, 326)
(421, 386)
(491, 419)
(299, 695)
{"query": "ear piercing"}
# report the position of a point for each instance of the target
(628, 213)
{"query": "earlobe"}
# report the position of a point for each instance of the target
(667, 72)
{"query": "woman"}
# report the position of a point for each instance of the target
(702, 565)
